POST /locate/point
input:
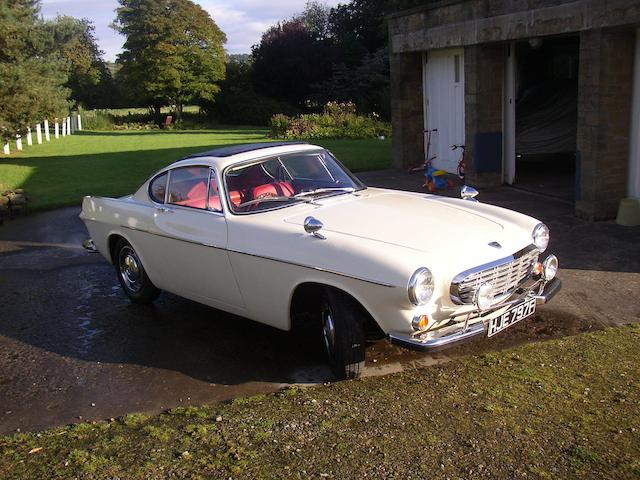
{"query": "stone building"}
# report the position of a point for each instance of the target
(544, 94)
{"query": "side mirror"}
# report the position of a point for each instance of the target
(313, 226)
(469, 193)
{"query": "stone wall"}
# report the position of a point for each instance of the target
(483, 75)
(407, 113)
(604, 109)
(470, 22)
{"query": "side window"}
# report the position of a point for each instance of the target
(158, 187)
(214, 195)
(188, 187)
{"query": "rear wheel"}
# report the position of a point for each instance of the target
(342, 334)
(131, 275)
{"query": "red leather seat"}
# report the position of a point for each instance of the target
(278, 189)
(196, 197)
(235, 197)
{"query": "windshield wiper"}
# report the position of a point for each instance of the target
(273, 199)
(325, 190)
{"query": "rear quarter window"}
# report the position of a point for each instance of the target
(158, 187)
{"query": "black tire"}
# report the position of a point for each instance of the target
(345, 348)
(132, 276)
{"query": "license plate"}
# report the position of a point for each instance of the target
(511, 316)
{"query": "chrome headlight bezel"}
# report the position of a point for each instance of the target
(421, 278)
(550, 268)
(540, 237)
(484, 296)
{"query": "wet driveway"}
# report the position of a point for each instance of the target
(73, 348)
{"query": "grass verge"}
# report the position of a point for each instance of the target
(113, 163)
(567, 408)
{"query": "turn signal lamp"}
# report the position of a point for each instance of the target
(537, 269)
(420, 323)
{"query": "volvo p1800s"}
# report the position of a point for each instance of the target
(283, 231)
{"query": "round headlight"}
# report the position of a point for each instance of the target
(420, 286)
(541, 237)
(550, 267)
(484, 296)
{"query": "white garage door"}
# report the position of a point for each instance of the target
(444, 105)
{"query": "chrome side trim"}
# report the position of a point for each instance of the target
(319, 269)
(455, 283)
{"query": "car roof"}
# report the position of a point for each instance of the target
(221, 158)
(242, 148)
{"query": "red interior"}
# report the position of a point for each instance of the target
(197, 197)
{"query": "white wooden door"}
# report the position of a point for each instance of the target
(444, 105)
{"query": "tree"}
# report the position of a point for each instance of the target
(289, 59)
(238, 102)
(316, 17)
(366, 84)
(173, 52)
(89, 78)
(32, 75)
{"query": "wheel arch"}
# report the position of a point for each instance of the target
(305, 298)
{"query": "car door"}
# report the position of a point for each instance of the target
(191, 239)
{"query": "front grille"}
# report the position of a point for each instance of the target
(505, 275)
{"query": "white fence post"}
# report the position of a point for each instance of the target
(38, 134)
(18, 142)
(56, 130)
(6, 149)
(46, 130)
(64, 127)
(29, 137)
(79, 123)
(68, 125)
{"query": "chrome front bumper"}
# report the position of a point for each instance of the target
(467, 332)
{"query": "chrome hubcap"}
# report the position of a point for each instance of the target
(130, 269)
(328, 330)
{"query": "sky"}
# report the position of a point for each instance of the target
(243, 21)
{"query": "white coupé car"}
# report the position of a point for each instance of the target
(281, 231)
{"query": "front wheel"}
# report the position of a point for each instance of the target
(131, 275)
(342, 334)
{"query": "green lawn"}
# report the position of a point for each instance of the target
(115, 163)
(562, 409)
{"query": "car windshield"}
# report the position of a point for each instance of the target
(284, 180)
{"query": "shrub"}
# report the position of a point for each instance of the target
(279, 125)
(338, 120)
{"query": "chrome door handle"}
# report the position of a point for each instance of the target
(164, 210)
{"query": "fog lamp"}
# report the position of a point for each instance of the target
(420, 322)
(484, 296)
(550, 267)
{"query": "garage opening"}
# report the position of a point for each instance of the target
(546, 111)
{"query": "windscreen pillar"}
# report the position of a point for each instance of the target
(407, 115)
(604, 108)
(484, 76)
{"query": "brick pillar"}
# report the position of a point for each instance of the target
(483, 83)
(407, 115)
(604, 108)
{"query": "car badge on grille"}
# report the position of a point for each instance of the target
(495, 245)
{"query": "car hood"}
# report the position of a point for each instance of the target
(426, 223)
